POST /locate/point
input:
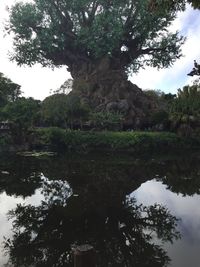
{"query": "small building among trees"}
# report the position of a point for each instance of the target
(5, 126)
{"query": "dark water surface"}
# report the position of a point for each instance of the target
(135, 211)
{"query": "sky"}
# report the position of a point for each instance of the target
(37, 81)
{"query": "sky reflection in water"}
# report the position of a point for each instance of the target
(8, 203)
(184, 252)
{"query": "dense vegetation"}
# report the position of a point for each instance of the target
(74, 32)
(185, 111)
(85, 141)
(57, 120)
(9, 91)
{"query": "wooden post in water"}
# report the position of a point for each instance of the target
(84, 256)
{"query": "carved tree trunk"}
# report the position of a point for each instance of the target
(104, 86)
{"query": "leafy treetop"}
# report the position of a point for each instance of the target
(195, 3)
(195, 70)
(9, 91)
(24, 112)
(63, 32)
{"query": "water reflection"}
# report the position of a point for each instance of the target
(183, 176)
(87, 201)
(19, 176)
(184, 252)
(120, 230)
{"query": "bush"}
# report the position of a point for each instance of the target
(64, 111)
(59, 139)
(5, 140)
(159, 120)
(52, 136)
(106, 120)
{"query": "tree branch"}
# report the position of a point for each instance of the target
(149, 51)
(129, 15)
(93, 11)
(87, 21)
(84, 17)
(64, 17)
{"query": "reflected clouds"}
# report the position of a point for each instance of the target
(185, 252)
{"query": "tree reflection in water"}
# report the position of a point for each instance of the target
(183, 176)
(19, 176)
(122, 232)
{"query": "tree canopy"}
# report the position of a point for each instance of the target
(195, 70)
(195, 3)
(65, 32)
(54, 110)
(9, 91)
(61, 110)
(24, 111)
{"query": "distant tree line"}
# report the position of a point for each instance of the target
(173, 112)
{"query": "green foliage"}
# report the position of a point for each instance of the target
(159, 117)
(106, 120)
(62, 110)
(9, 91)
(23, 112)
(161, 104)
(195, 70)
(64, 32)
(195, 3)
(65, 88)
(60, 139)
(187, 101)
(5, 140)
(53, 135)
(76, 110)
(160, 99)
(54, 110)
(185, 111)
(156, 94)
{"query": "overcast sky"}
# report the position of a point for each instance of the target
(37, 81)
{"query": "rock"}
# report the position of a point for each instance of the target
(123, 106)
(112, 107)
(120, 95)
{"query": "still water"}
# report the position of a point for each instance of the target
(135, 211)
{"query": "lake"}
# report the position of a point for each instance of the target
(134, 210)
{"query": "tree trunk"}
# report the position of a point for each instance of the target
(104, 86)
(84, 256)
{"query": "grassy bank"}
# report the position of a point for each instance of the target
(80, 141)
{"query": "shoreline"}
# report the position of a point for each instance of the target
(57, 139)
(61, 140)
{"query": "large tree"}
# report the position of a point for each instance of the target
(99, 41)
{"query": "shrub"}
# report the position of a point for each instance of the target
(5, 140)
(159, 120)
(106, 120)
(79, 141)
(64, 111)
(185, 110)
